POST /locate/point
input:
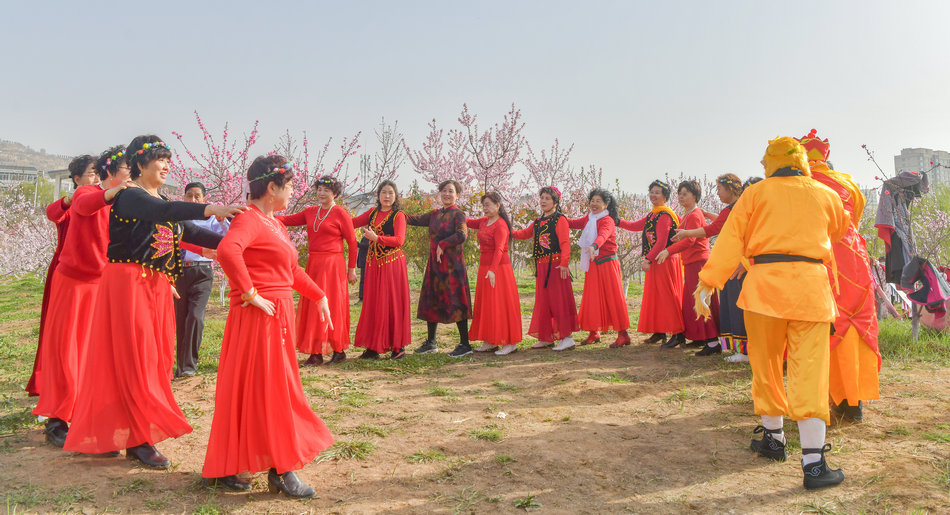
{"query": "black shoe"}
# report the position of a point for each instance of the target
(427, 347)
(656, 338)
(369, 354)
(289, 484)
(855, 413)
(56, 430)
(148, 455)
(338, 357)
(709, 351)
(229, 482)
(314, 360)
(769, 446)
(398, 354)
(818, 475)
(676, 339)
(462, 350)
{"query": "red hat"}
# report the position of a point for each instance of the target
(817, 149)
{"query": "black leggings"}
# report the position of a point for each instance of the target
(462, 327)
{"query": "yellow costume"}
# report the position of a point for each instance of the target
(789, 222)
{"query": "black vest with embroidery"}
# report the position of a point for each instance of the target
(387, 227)
(546, 242)
(648, 237)
(145, 242)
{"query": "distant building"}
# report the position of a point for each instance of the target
(923, 159)
(12, 175)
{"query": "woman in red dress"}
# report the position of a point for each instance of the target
(125, 399)
(384, 312)
(603, 303)
(75, 288)
(694, 252)
(661, 310)
(262, 419)
(82, 170)
(496, 316)
(328, 226)
(555, 311)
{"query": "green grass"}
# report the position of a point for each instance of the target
(426, 456)
(505, 387)
(937, 437)
(527, 503)
(896, 344)
(489, 434)
(348, 450)
(30, 495)
(366, 430)
(440, 391)
(505, 459)
(410, 365)
(612, 378)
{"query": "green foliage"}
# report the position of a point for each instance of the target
(896, 344)
(527, 503)
(490, 433)
(426, 456)
(348, 450)
(612, 378)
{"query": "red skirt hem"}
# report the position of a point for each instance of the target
(662, 308)
(698, 329)
(496, 316)
(555, 310)
(328, 270)
(603, 304)
(384, 314)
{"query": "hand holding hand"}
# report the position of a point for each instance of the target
(679, 235)
(209, 253)
(112, 192)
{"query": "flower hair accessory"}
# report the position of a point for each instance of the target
(274, 171)
(662, 185)
(326, 181)
(112, 158)
(728, 181)
(157, 144)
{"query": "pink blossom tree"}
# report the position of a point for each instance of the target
(494, 152)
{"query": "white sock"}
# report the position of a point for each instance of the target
(714, 343)
(812, 434)
(772, 423)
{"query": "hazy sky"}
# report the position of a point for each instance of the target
(640, 88)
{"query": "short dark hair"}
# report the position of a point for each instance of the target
(555, 195)
(397, 204)
(455, 184)
(664, 187)
(78, 165)
(691, 186)
(327, 181)
(110, 160)
(261, 174)
(200, 186)
(137, 156)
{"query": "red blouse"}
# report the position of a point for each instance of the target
(663, 225)
(693, 249)
(326, 235)
(58, 213)
(492, 241)
(399, 224)
(563, 231)
(606, 234)
(257, 253)
(714, 228)
(84, 252)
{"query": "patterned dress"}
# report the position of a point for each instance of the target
(445, 296)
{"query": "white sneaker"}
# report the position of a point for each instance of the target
(506, 350)
(565, 344)
(540, 345)
(737, 358)
(486, 348)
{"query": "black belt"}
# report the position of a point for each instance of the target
(782, 258)
(189, 264)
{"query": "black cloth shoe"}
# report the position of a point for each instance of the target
(56, 430)
(427, 347)
(369, 354)
(817, 474)
(314, 360)
(228, 482)
(656, 338)
(398, 354)
(855, 413)
(463, 349)
(676, 339)
(338, 357)
(148, 455)
(709, 351)
(769, 446)
(289, 484)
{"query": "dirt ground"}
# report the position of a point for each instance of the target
(639, 429)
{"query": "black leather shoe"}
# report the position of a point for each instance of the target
(709, 351)
(56, 430)
(369, 354)
(229, 482)
(148, 455)
(855, 413)
(676, 339)
(818, 475)
(656, 338)
(338, 357)
(289, 483)
(427, 347)
(768, 446)
(314, 360)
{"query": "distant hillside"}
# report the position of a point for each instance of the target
(12, 153)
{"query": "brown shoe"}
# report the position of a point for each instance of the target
(314, 360)
(338, 357)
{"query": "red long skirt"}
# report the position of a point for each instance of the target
(125, 396)
(328, 270)
(603, 303)
(63, 346)
(32, 386)
(662, 308)
(262, 418)
(698, 329)
(555, 311)
(496, 316)
(384, 315)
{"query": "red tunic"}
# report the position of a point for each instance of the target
(326, 232)
(262, 418)
(384, 313)
(84, 252)
(715, 227)
(661, 308)
(496, 316)
(555, 311)
(603, 303)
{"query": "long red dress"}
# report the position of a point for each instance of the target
(71, 311)
(555, 311)
(694, 253)
(661, 309)
(384, 313)
(58, 213)
(496, 316)
(603, 303)
(326, 232)
(262, 419)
